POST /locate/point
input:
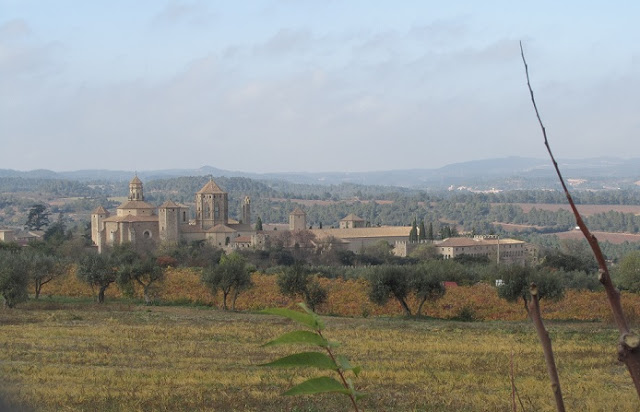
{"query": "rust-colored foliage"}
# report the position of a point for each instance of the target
(349, 298)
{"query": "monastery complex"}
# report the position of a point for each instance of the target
(139, 222)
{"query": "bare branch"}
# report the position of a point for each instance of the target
(545, 341)
(626, 353)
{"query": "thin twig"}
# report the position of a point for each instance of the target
(629, 342)
(513, 385)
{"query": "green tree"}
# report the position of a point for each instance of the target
(146, 272)
(38, 217)
(57, 233)
(390, 281)
(413, 233)
(425, 251)
(379, 252)
(42, 269)
(627, 274)
(516, 282)
(422, 235)
(231, 275)
(427, 284)
(258, 224)
(297, 281)
(98, 270)
(445, 232)
(14, 278)
(430, 232)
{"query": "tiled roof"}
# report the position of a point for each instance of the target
(210, 187)
(242, 239)
(135, 180)
(460, 242)
(100, 211)
(297, 211)
(171, 204)
(131, 218)
(503, 241)
(465, 241)
(136, 204)
(351, 217)
(364, 232)
(220, 229)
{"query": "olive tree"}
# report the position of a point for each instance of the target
(13, 278)
(43, 268)
(231, 275)
(517, 280)
(145, 272)
(297, 281)
(98, 270)
(390, 281)
(427, 283)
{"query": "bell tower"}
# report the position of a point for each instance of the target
(212, 206)
(246, 211)
(135, 189)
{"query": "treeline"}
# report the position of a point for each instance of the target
(272, 201)
(599, 197)
(50, 187)
(390, 277)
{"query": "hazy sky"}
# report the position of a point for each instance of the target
(305, 85)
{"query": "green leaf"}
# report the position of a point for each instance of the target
(313, 314)
(302, 318)
(304, 359)
(317, 385)
(344, 364)
(301, 337)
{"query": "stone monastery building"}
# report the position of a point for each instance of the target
(139, 222)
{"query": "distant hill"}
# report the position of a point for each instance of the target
(486, 173)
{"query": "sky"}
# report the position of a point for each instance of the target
(313, 86)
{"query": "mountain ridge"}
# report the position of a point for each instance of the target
(483, 170)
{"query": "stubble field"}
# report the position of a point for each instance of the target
(85, 357)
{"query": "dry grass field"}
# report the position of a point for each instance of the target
(75, 356)
(612, 237)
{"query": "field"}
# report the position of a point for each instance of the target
(69, 355)
(585, 210)
(612, 237)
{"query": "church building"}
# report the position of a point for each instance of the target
(139, 222)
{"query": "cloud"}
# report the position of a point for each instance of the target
(178, 12)
(14, 29)
(286, 41)
(440, 33)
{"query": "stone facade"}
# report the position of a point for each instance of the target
(297, 220)
(351, 222)
(141, 223)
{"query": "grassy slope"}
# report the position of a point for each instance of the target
(80, 356)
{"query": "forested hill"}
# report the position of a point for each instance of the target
(503, 173)
(526, 214)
